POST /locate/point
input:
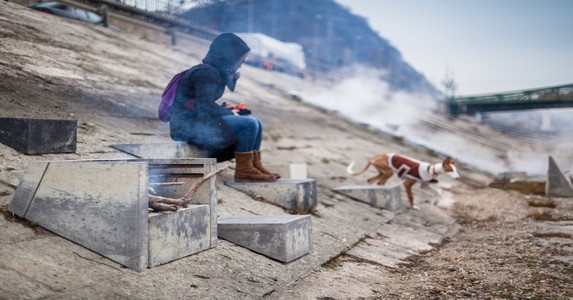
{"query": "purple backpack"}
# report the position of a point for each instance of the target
(168, 97)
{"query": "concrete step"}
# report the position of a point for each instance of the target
(296, 195)
(284, 238)
(103, 206)
(381, 196)
(39, 136)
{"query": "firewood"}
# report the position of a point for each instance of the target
(167, 183)
(188, 197)
(158, 206)
(158, 203)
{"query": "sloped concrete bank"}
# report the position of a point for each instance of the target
(110, 83)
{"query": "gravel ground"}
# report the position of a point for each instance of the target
(510, 246)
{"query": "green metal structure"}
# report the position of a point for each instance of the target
(548, 97)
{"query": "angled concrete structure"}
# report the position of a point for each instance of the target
(161, 150)
(284, 238)
(39, 136)
(386, 197)
(296, 195)
(557, 185)
(103, 206)
(173, 150)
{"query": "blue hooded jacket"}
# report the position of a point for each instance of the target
(195, 116)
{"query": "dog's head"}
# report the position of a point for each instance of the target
(450, 168)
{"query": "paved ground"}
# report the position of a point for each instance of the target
(111, 83)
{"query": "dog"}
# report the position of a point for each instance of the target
(408, 169)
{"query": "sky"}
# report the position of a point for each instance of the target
(486, 46)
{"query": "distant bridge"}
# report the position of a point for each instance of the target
(549, 97)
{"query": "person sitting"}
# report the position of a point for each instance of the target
(223, 133)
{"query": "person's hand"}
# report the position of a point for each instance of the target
(238, 110)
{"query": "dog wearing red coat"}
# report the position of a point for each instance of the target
(408, 169)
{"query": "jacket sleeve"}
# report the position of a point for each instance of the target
(208, 89)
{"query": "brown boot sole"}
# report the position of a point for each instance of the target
(255, 180)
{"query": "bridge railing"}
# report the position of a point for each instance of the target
(548, 97)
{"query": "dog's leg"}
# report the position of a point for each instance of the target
(375, 178)
(408, 183)
(385, 178)
(386, 173)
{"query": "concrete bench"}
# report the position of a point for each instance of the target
(39, 136)
(296, 195)
(103, 206)
(284, 238)
(387, 197)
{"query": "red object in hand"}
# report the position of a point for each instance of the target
(240, 109)
(241, 106)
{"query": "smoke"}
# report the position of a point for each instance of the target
(549, 133)
(366, 99)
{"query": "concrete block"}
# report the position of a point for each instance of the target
(387, 197)
(289, 171)
(298, 171)
(174, 235)
(94, 205)
(39, 136)
(296, 195)
(102, 205)
(284, 238)
(557, 185)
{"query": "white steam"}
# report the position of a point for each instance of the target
(365, 98)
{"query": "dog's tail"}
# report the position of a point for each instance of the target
(351, 165)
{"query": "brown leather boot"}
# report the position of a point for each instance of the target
(259, 165)
(245, 171)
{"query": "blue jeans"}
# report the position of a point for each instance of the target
(248, 131)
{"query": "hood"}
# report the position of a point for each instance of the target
(226, 52)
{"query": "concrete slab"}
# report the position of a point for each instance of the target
(161, 150)
(102, 205)
(284, 238)
(557, 185)
(39, 136)
(296, 195)
(429, 218)
(381, 252)
(387, 197)
(415, 238)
